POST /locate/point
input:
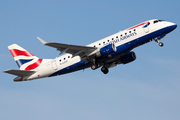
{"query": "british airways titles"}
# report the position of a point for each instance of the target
(121, 38)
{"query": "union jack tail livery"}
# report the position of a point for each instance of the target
(24, 59)
(27, 62)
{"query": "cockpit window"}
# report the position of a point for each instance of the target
(156, 21)
(161, 20)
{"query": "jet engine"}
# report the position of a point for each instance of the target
(106, 50)
(128, 57)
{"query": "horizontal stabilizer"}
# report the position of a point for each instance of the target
(20, 73)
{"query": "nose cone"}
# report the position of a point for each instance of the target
(172, 26)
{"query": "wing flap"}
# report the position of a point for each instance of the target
(20, 73)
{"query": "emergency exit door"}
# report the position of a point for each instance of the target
(54, 65)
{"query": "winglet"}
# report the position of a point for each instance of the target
(41, 40)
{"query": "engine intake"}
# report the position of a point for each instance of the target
(107, 50)
(128, 57)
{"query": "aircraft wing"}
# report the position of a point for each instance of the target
(20, 73)
(72, 49)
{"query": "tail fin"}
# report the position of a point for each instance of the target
(24, 59)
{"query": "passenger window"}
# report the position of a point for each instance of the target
(129, 31)
(121, 35)
(99, 43)
(112, 38)
(103, 42)
(64, 58)
(116, 36)
(108, 40)
(125, 33)
(59, 60)
(134, 29)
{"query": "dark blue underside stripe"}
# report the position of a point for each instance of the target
(122, 49)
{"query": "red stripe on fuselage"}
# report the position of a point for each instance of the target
(34, 65)
(16, 52)
(137, 25)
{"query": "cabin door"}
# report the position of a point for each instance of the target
(54, 65)
(146, 28)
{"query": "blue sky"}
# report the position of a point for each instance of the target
(146, 89)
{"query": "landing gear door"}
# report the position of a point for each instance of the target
(54, 65)
(146, 28)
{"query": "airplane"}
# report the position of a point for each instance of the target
(105, 53)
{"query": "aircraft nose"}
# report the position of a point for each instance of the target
(172, 27)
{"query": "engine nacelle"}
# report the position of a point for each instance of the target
(127, 58)
(107, 50)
